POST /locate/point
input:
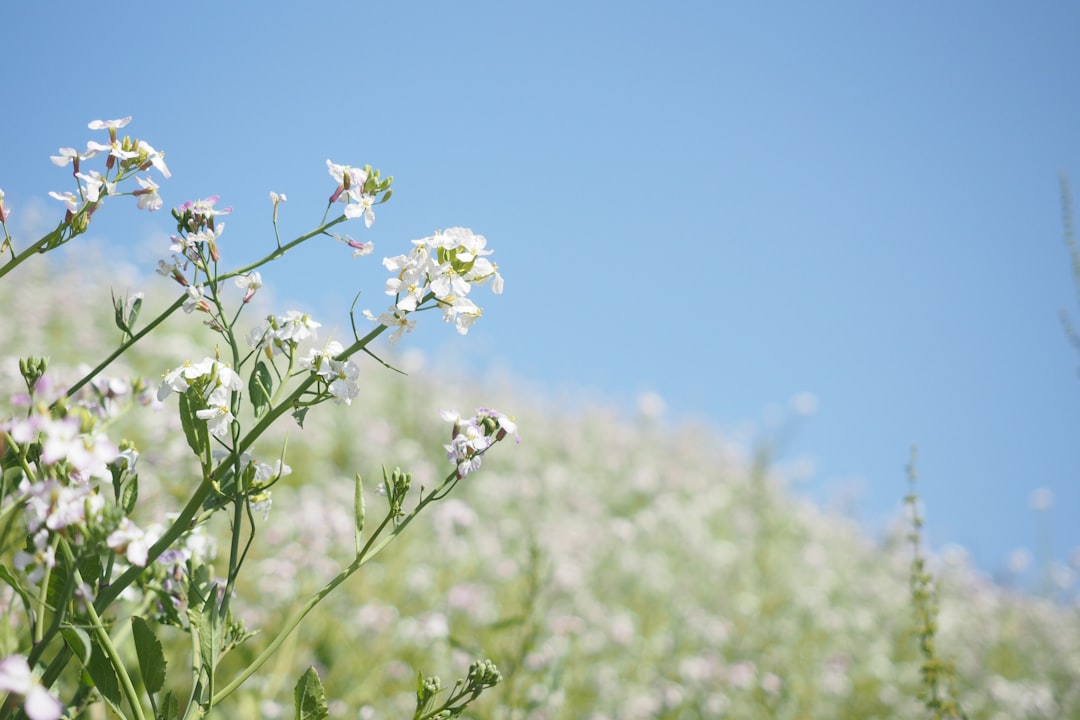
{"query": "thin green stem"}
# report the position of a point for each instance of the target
(184, 520)
(34, 248)
(370, 550)
(278, 252)
(106, 644)
(177, 304)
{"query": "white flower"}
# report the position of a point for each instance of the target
(346, 177)
(344, 387)
(218, 415)
(17, 678)
(320, 361)
(95, 184)
(148, 195)
(250, 282)
(294, 327)
(69, 200)
(182, 378)
(42, 558)
(393, 318)
(130, 540)
(463, 312)
(154, 158)
(179, 380)
(195, 299)
(109, 124)
(86, 454)
(68, 156)
(363, 205)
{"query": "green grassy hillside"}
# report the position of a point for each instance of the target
(612, 568)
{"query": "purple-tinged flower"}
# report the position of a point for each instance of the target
(17, 678)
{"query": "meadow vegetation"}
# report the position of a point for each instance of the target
(613, 566)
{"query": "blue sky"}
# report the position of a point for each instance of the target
(726, 204)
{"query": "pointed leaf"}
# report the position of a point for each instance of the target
(90, 569)
(310, 697)
(136, 306)
(8, 577)
(169, 709)
(101, 672)
(210, 635)
(299, 414)
(130, 494)
(358, 512)
(259, 388)
(151, 657)
(118, 307)
(78, 640)
(195, 430)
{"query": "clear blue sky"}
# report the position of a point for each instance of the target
(724, 203)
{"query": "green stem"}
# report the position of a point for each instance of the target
(369, 551)
(125, 346)
(106, 644)
(34, 248)
(183, 522)
(278, 252)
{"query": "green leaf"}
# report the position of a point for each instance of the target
(151, 657)
(210, 633)
(310, 697)
(299, 414)
(78, 640)
(118, 307)
(136, 306)
(90, 569)
(195, 430)
(358, 511)
(129, 494)
(102, 673)
(169, 709)
(7, 576)
(259, 388)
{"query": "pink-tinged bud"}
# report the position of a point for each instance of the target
(500, 435)
(214, 254)
(337, 193)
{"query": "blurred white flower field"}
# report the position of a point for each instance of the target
(611, 567)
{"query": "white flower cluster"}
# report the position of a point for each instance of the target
(216, 382)
(350, 190)
(53, 506)
(136, 154)
(445, 266)
(283, 332)
(339, 375)
(472, 437)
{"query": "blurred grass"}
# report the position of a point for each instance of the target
(612, 567)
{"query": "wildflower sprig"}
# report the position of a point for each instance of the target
(75, 491)
(938, 675)
(483, 674)
(124, 158)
